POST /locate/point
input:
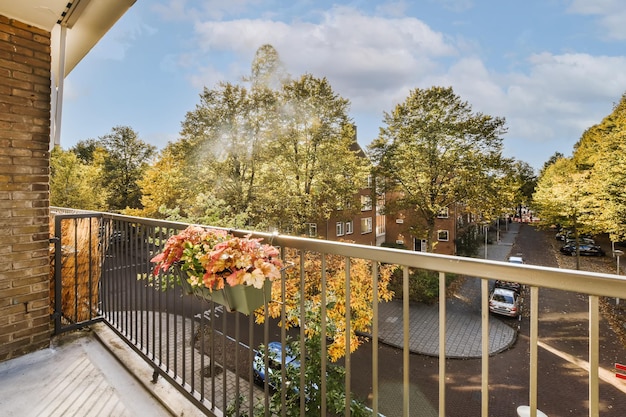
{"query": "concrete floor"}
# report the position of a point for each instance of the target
(79, 376)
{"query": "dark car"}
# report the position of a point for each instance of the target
(585, 250)
(567, 235)
(509, 285)
(581, 240)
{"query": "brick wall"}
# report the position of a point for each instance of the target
(24, 192)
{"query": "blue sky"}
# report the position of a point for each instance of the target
(551, 68)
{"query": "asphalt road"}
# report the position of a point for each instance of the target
(563, 386)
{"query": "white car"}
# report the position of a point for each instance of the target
(505, 302)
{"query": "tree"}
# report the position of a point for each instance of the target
(562, 197)
(550, 161)
(283, 157)
(602, 150)
(86, 150)
(315, 157)
(164, 184)
(74, 183)
(523, 176)
(435, 152)
(126, 159)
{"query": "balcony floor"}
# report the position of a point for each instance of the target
(78, 375)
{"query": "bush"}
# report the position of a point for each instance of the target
(423, 285)
(468, 242)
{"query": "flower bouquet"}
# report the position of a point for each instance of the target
(213, 264)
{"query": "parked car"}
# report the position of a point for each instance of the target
(585, 249)
(565, 235)
(275, 352)
(509, 285)
(515, 286)
(505, 302)
(581, 240)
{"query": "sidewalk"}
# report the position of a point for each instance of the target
(463, 326)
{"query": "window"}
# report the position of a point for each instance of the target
(366, 225)
(340, 231)
(443, 213)
(349, 228)
(366, 203)
(442, 235)
(380, 224)
(312, 229)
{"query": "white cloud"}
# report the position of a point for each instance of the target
(612, 15)
(363, 56)
(375, 61)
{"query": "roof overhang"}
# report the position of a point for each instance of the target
(86, 21)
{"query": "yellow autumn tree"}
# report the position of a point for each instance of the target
(361, 298)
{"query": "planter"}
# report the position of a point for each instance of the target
(242, 298)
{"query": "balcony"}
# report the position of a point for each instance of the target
(410, 363)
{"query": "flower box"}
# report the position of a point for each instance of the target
(213, 264)
(241, 298)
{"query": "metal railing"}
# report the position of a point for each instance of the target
(190, 341)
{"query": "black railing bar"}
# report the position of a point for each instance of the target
(266, 338)
(58, 311)
(237, 387)
(212, 364)
(251, 341)
(224, 385)
(192, 346)
(89, 268)
(75, 256)
(203, 326)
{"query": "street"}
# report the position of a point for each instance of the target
(563, 353)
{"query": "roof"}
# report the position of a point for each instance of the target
(87, 21)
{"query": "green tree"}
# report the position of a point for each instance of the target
(562, 197)
(315, 158)
(281, 157)
(550, 161)
(525, 180)
(602, 150)
(435, 152)
(86, 150)
(73, 183)
(164, 184)
(126, 159)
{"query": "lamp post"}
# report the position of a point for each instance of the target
(617, 253)
(486, 229)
